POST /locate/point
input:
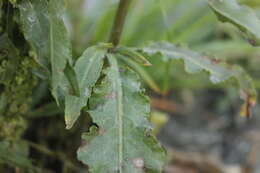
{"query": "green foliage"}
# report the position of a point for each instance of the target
(241, 16)
(88, 68)
(218, 71)
(33, 18)
(104, 82)
(19, 81)
(15, 154)
(51, 41)
(124, 138)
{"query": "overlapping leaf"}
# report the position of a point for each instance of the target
(44, 29)
(35, 23)
(60, 46)
(123, 143)
(87, 68)
(135, 60)
(239, 15)
(218, 71)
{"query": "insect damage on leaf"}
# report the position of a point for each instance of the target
(123, 146)
(218, 71)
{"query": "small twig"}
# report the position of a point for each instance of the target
(119, 21)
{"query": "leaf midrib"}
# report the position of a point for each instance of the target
(194, 62)
(119, 99)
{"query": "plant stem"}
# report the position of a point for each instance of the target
(119, 21)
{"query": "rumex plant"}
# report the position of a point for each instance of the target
(104, 82)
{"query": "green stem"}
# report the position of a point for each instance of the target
(119, 21)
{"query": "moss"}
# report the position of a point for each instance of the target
(11, 128)
(24, 83)
(19, 93)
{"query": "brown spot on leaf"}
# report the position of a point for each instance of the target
(252, 42)
(84, 143)
(249, 105)
(101, 131)
(215, 61)
(246, 109)
(112, 95)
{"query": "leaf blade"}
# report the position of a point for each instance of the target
(121, 112)
(44, 29)
(143, 73)
(218, 71)
(35, 25)
(239, 15)
(60, 46)
(88, 69)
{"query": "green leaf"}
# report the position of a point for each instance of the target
(240, 15)
(44, 29)
(60, 46)
(72, 79)
(35, 25)
(218, 71)
(142, 72)
(131, 53)
(123, 141)
(87, 68)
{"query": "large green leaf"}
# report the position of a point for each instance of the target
(87, 68)
(60, 46)
(239, 15)
(44, 29)
(123, 141)
(35, 24)
(218, 71)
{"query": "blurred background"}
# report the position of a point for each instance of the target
(197, 122)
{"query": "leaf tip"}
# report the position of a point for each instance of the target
(147, 64)
(68, 122)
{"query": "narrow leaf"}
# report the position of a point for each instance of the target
(142, 72)
(139, 58)
(72, 79)
(240, 15)
(123, 141)
(87, 68)
(60, 46)
(218, 71)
